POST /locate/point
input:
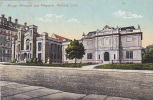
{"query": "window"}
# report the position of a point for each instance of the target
(54, 56)
(114, 41)
(30, 46)
(8, 51)
(3, 51)
(27, 44)
(18, 48)
(39, 55)
(99, 56)
(19, 35)
(89, 55)
(31, 33)
(129, 54)
(114, 56)
(39, 46)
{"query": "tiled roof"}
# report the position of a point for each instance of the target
(61, 38)
(106, 27)
(8, 34)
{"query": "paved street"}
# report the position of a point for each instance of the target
(104, 82)
(16, 91)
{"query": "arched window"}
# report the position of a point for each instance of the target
(27, 44)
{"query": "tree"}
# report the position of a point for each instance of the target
(148, 55)
(75, 50)
(150, 50)
(147, 58)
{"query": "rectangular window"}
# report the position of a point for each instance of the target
(39, 55)
(54, 56)
(89, 55)
(99, 56)
(30, 46)
(114, 56)
(129, 54)
(39, 46)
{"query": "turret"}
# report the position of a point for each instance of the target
(16, 21)
(83, 35)
(9, 19)
(3, 15)
(139, 27)
(25, 24)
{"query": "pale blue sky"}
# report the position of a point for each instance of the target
(89, 15)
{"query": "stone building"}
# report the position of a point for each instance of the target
(23, 42)
(110, 45)
(8, 32)
(30, 44)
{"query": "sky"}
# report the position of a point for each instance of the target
(70, 18)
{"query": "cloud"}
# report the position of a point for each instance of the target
(54, 16)
(126, 14)
(51, 18)
(73, 20)
(44, 20)
(57, 18)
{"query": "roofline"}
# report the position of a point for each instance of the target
(115, 34)
(63, 37)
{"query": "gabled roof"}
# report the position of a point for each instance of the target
(106, 27)
(61, 38)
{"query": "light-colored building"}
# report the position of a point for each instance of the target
(110, 45)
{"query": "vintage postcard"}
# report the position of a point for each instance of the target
(76, 49)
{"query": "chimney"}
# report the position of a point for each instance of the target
(9, 18)
(2, 15)
(16, 21)
(25, 24)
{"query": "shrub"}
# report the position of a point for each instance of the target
(31, 60)
(146, 66)
(39, 61)
(13, 61)
(35, 60)
(147, 58)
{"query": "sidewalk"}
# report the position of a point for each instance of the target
(90, 67)
(16, 91)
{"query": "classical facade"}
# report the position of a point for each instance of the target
(110, 45)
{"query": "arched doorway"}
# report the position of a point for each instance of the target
(106, 56)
